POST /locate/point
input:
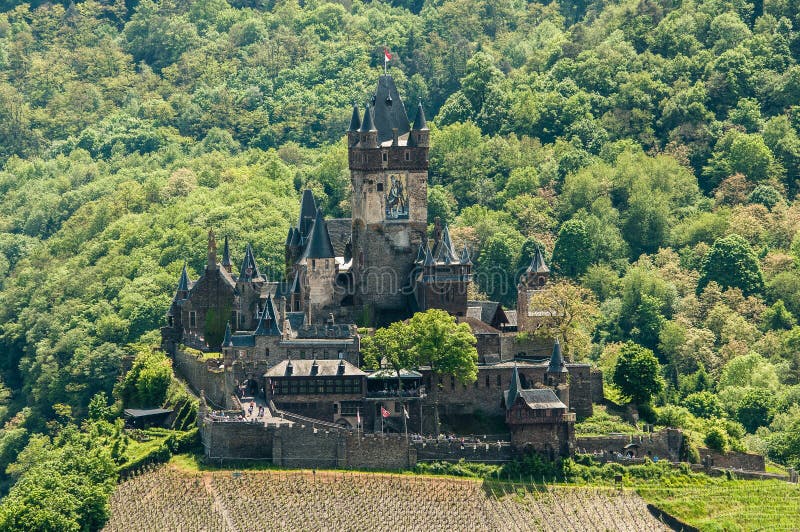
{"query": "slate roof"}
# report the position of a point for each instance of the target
(355, 120)
(325, 368)
(308, 211)
(249, 270)
(367, 124)
(339, 230)
(183, 282)
(557, 360)
(537, 263)
(511, 315)
(419, 122)
(296, 319)
(268, 322)
(477, 326)
(319, 241)
(226, 253)
(491, 312)
(538, 399)
(388, 110)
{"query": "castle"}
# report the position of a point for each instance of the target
(295, 342)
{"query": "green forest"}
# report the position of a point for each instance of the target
(650, 147)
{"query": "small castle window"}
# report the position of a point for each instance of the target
(380, 187)
(313, 265)
(192, 319)
(487, 382)
(385, 156)
(407, 155)
(541, 281)
(499, 382)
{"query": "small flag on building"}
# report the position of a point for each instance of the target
(386, 58)
(405, 412)
(358, 418)
(384, 412)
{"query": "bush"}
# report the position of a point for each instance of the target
(716, 439)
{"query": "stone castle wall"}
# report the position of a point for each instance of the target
(667, 443)
(304, 446)
(200, 376)
(732, 460)
(453, 451)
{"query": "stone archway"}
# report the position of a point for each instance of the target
(251, 387)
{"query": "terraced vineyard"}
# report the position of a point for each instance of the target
(165, 498)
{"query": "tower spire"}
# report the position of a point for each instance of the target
(514, 389)
(226, 255)
(211, 263)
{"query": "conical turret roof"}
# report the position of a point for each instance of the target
(227, 341)
(249, 270)
(368, 124)
(183, 282)
(465, 258)
(268, 322)
(319, 242)
(421, 253)
(514, 389)
(429, 257)
(355, 120)
(226, 253)
(443, 251)
(420, 123)
(557, 360)
(308, 210)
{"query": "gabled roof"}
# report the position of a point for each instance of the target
(537, 263)
(308, 210)
(339, 230)
(319, 241)
(476, 325)
(268, 322)
(249, 270)
(302, 368)
(557, 360)
(428, 257)
(491, 312)
(183, 282)
(537, 399)
(355, 121)
(226, 253)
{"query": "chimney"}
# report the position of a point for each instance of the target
(394, 136)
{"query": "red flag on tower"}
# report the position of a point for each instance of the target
(384, 412)
(386, 57)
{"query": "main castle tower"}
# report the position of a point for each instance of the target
(388, 160)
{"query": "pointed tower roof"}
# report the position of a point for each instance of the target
(429, 257)
(289, 236)
(227, 341)
(268, 322)
(557, 360)
(421, 253)
(513, 390)
(308, 209)
(443, 251)
(389, 112)
(183, 282)
(226, 254)
(465, 258)
(368, 124)
(355, 120)
(249, 270)
(420, 123)
(537, 263)
(319, 241)
(296, 240)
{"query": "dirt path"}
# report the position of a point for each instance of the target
(218, 506)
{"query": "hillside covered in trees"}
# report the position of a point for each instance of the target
(651, 147)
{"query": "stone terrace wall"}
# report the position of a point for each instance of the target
(200, 376)
(733, 460)
(445, 451)
(667, 443)
(376, 451)
(308, 447)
